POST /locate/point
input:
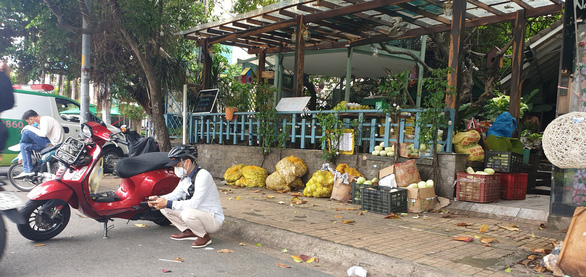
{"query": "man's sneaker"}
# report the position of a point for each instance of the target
(185, 235)
(23, 174)
(202, 242)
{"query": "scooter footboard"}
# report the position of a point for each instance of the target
(52, 189)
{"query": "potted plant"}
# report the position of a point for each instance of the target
(234, 99)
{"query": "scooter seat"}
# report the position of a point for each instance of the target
(50, 148)
(131, 166)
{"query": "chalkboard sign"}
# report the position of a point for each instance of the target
(206, 100)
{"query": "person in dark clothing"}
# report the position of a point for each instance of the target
(7, 96)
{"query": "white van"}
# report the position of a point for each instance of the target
(38, 98)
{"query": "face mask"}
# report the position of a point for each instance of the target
(36, 124)
(180, 172)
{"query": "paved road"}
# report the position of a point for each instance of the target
(80, 250)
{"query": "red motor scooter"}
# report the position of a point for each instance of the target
(78, 178)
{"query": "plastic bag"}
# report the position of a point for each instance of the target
(467, 143)
(503, 125)
(277, 183)
(321, 183)
(233, 173)
(252, 176)
(291, 168)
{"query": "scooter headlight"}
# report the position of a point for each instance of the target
(86, 130)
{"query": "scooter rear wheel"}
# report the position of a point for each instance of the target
(45, 219)
(24, 184)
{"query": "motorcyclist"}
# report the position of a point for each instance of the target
(194, 206)
(7, 96)
(42, 131)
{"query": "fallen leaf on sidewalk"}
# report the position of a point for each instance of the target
(40, 244)
(270, 196)
(225, 250)
(338, 216)
(298, 201)
(284, 250)
(297, 259)
(448, 216)
(484, 228)
(463, 224)
(242, 244)
(178, 259)
(238, 198)
(539, 268)
(488, 240)
(463, 238)
(305, 258)
(508, 270)
(296, 194)
(283, 265)
(510, 228)
(532, 257)
(140, 225)
(347, 221)
(259, 244)
(282, 202)
(392, 216)
(542, 251)
(542, 226)
(230, 198)
(360, 213)
(165, 270)
(256, 191)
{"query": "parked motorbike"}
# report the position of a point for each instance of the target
(9, 204)
(44, 168)
(78, 179)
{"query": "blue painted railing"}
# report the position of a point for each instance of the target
(304, 131)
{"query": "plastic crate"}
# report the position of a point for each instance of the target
(356, 193)
(514, 186)
(478, 188)
(503, 161)
(380, 199)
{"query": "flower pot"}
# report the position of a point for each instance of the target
(230, 113)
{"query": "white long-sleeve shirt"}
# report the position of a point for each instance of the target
(48, 128)
(205, 195)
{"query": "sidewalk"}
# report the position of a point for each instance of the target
(410, 246)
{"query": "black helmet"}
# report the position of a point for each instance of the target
(182, 152)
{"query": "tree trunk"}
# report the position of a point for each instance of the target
(156, 101)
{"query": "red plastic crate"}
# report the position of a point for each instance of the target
(514, 186)
(478, 188)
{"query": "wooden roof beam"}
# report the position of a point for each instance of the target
(253, 31)
(359, 14)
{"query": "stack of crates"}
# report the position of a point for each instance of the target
(513, 183)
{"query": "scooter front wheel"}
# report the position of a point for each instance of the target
(23, 184)
(45, 219)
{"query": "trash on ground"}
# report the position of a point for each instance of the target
(356, 271)
(140, 225)
(225, 250)
(283, 265)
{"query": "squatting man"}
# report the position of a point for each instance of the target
(194, 205)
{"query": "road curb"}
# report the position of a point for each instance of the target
(334, 253)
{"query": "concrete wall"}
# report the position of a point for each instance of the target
(217, 158)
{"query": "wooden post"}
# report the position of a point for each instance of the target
(299, 58)
(261, 64)
(207, 65)
(457, 37)
(517, 64)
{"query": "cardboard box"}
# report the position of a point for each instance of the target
(386, 171)
(420, 200)
(403, 152)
